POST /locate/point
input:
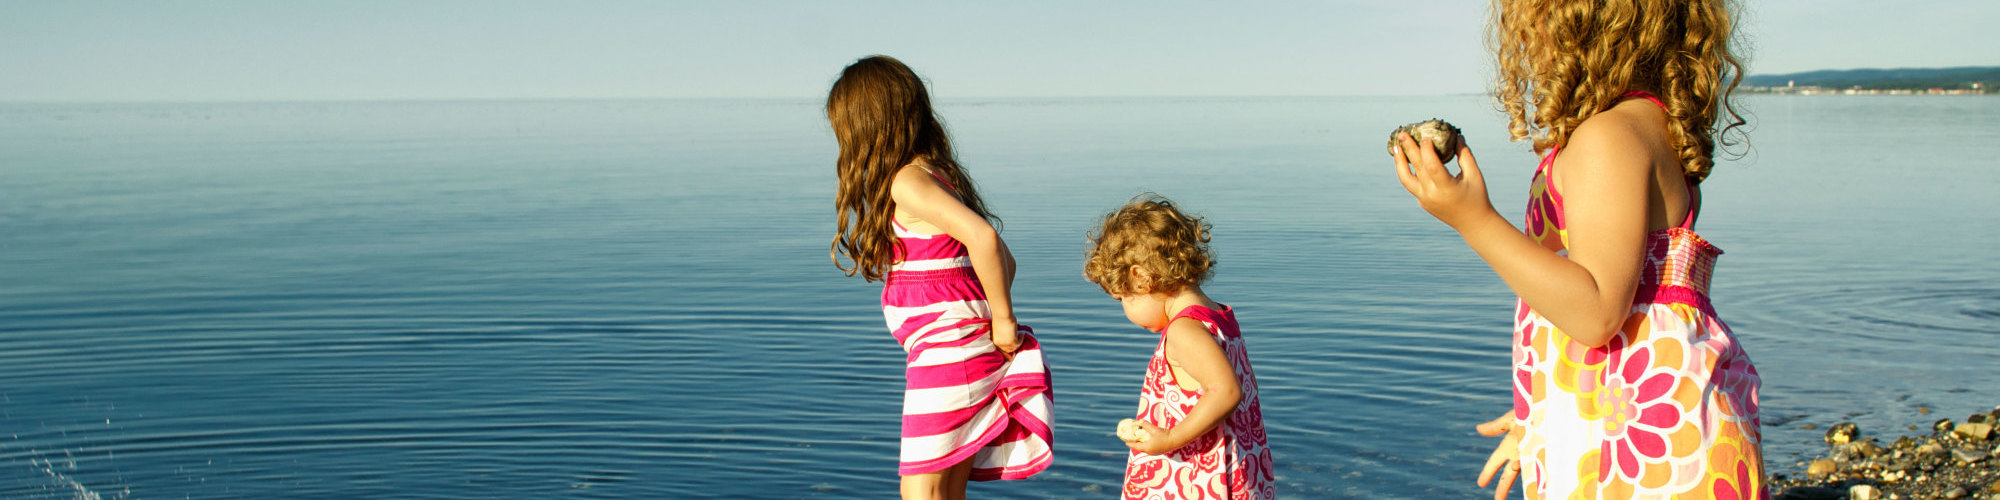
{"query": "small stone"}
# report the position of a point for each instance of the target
(1923, 410)
(1130, 432)
(1903, 443)
(1859, 450)
(1993, 487)
(1931, 448)
(1979, 418)
(1821, 467)
(1955, 493)
(1809, 427)
(1842, 433)
(1967, 456)
(1863, 492)
(1942, 425)
(1977, 431)
(1443, 136)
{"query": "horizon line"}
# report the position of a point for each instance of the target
(702, 98)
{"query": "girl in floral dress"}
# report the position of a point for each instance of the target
(1626, 383)
(1200, 428)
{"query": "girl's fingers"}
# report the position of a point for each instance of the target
(1469, 167)
(1496, 426)
(1493, 464)
(1506, 481)
(1403, 174)
(1428, 164)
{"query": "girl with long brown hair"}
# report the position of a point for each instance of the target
(1626, 383)
(976, 402)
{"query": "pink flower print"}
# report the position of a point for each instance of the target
(1639, 413)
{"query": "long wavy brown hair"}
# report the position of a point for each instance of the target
(882, 117)
(1562, 61)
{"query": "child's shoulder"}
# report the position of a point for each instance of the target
(914, 179)
(1627, 136)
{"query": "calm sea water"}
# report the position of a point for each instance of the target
(634, 300)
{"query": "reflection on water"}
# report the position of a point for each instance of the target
(615, 299)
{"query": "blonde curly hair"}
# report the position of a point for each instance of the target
(1562, 61)
(1149, 232)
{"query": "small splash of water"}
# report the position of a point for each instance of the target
(63, 482)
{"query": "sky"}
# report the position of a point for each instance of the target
(216, 50)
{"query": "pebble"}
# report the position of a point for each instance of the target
(1863, 492)
(1974, 430)
(1821, 467)
(1842, 433)
(1942, 425)
(1967, 456)
(1955, 493)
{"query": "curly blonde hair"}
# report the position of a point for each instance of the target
(1149, 232)
(881, 115)
(1562, 61)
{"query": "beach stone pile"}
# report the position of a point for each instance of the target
(1956, 460)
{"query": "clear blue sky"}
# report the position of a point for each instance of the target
(83, 50)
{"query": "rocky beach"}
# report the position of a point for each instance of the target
(1956, 459)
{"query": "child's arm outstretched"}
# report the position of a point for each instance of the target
(1195, 351)
(1589, 294)
(916, 192)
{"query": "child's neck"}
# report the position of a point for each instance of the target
(1188, 297)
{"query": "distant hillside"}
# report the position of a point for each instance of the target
(1897, 78)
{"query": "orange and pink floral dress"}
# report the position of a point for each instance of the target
(1232, 461)
(1666, 409)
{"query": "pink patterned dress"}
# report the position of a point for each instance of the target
(963, 398)
(1666, 409)
(1231, 461)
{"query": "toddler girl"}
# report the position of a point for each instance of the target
(1200, 428)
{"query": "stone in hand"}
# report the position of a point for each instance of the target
(1444, 137)
(1130, 432)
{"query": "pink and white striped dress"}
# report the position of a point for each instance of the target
(964, 398)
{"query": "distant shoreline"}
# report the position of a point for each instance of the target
(1968, 80)
(1818, 90)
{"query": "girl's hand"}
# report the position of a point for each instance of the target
(1006, 335)
(1156, 440)
(1450, 198)
(1505, 456)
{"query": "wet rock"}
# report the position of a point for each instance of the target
(1860, 450)
(1978, 427)
(1863, 492)
(1842, 433)
(1821, 467)
(1809, 427)
(1966, 456)
(1942, 425)
(1904, 443)
(1954, 493)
